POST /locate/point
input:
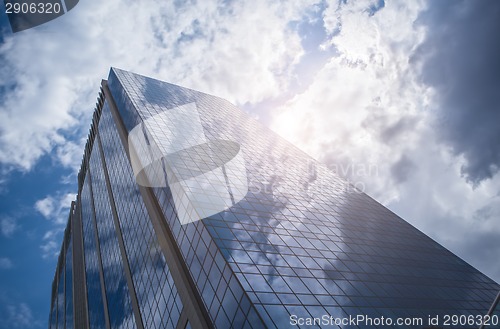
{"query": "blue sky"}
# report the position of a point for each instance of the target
(401, 98)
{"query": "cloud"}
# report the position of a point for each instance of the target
(51, 244)
(55, 208)
(364, 106)
(402, 169)
(8, 226)
(45, 207)
(443, 205)
(50, 74)
(5, 263)
(18, 315)
(368, 107)
(464, 75)
(70, 154)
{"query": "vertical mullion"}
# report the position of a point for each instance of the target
(79, 293)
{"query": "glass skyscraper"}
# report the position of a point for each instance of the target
(191, 214)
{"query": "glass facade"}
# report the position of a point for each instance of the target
(301, 243)
(94, 291)
(60, 299)
(157, 296)
(117, 294)
(69, 286)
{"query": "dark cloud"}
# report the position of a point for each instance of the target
(402, 169)
(402, 125)
(385, 127)
(460, 60)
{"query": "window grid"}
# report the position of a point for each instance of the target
(117, 293)
(148, 266)
(94, 295)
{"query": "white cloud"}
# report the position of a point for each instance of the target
(53, 72)
(45, 206)
(8, 226)
(55, 208)
(50, 248)
(367, 108)
(70, 154)
(233, 59)
(361, 104)
(5, 263)
(51, 242)
(19, 315)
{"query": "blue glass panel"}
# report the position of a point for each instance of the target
(60, 299)
(69, 285)
(117, 292)
(157, 295)
(94, 295)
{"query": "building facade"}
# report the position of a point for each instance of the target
(191, 214)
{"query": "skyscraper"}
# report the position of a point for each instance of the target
(191, 214)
